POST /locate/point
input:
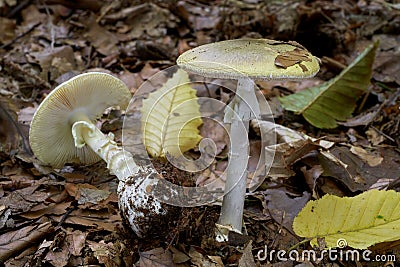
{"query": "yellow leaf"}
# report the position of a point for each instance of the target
(361, 221)
(171, 117)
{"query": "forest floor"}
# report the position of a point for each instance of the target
(70, 216)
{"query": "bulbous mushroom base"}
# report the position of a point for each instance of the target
(142, 211)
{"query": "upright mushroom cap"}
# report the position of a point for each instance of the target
(259, 59)
(84, 97)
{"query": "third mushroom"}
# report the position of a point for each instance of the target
(245, 60)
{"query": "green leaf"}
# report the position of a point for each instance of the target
(171, 117)
(361, 221)
(336, 99)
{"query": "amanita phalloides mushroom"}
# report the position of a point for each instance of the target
(63, 131)
(245, 60)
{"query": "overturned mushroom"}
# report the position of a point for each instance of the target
(245, 60)
(63, 131)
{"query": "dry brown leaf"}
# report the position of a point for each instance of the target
(7, 30)
(157, 257)
(31, 16)
(54, 61)
(106, 253)
(216, 132)
(311, 175)
(149, 71)
(374, 137)
(354, 172)
(151, 23)
(291, 58)
(283, 208)
(104, 41)
(381, 184)
(286, 154)
(76, 241)
(25, 115)
(199, 260)
(11, 132)
(247, 259)
(362, 119)
(371, 158)
(58, 257)
(24, 199)
(387, 59)
(92, 218)
(51, 209)
(92, 195)
(178, 256)
(15, 241)
(132, 80)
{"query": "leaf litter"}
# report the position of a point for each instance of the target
(70, 217)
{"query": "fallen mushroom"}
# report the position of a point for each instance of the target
(245, 60)
(63, 131)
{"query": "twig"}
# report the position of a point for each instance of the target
(50, 24)
(18, 71)
(19, 36)
(364, 100)
(18, 8)
(382, 133)
(64, 217)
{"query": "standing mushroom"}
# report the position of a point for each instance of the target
(63, 131)
(245, 60)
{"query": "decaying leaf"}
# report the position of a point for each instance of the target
(52, 208)
(359, 222)
(157, 257)
(91, 195)
(76, 241)
(7, 30)
(319, 105)
(247, 259)
(179, 256)
(171, 117)
(370, 158)
(58, 254)
(284, 208)
(106, 253)
(290, 58)
(91, 218)
(290, 146)
(11, 132)
(15, 241)
(355, 172)
(103, 40)
(199, 259)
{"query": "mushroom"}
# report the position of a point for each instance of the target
(245, 60)
(63, 131)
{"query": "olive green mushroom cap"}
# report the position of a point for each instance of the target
(84, 97)
(259, 59)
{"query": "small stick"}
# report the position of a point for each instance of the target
(19, 36)
(382, 133)
(17, 70)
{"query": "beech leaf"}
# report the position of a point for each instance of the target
(171, 117)
(359, 222)
(334, 100)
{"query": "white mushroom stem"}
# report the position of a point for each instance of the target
(119, 162)
(136, 205)
(244, 107)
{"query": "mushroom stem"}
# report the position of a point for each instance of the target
(119, 162)
(135, 204)
(243, 108)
